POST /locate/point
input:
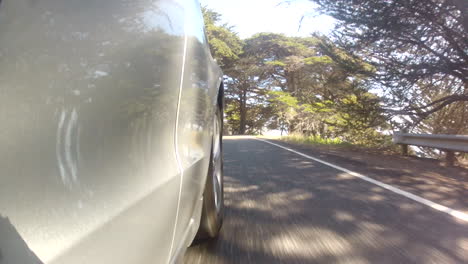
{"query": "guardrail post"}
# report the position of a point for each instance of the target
(404, 149)
(446, 143)
(450, 158)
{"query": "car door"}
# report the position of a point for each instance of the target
(198, 102)
(88, 104)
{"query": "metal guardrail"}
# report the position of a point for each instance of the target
(443, 142)
(447, 143)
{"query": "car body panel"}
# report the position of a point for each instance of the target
(95, 147)
(198, 101)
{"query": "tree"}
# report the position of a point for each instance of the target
(225, 44)
(243, 94)
(315, 85)
(417, 46)
(226, 47)
(295, 84)
(281, 58)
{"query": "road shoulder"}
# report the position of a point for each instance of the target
(427, 178)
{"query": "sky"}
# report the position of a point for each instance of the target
(252, 16)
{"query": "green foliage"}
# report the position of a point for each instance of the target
(318, 59)
(419, 50)
(224, 43)
(284, 99)
(374, 141)
(325, 94)
(413, 52)
(314, 140)
(276, 63)
(299, 85)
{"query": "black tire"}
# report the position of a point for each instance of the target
(213, 208)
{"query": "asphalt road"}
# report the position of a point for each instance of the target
(284, 208)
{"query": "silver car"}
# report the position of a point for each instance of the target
(111, 120)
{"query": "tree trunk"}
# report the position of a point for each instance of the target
(291, 82)
(243, 112)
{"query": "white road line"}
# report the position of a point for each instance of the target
(436, 206)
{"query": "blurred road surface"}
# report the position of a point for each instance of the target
(284, 208)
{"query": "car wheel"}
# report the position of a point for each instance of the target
(213, 196)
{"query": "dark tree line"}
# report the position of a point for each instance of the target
(389, 64)
(420, 51)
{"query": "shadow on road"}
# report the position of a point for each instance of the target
(281, 208)
(422, 176)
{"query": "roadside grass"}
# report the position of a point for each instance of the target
(382, 147)
(315, 140)
(310, 140)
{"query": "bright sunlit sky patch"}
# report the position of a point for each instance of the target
(253, 16)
